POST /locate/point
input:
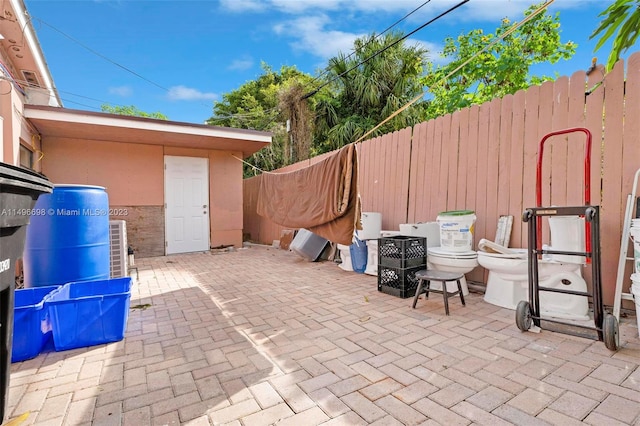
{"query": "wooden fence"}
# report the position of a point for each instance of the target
(483, 158)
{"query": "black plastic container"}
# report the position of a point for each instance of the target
(19, 190)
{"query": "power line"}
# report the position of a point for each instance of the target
(459, 67)
(129, 70)
(378, 36)
(446, 12)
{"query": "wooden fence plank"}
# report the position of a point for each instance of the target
(490, 217)
(631, 152)
(610, 217)
(577, 141)
(453, 148)
(557, 147)
(437, 201)
(463, 160)
(415, 170)
(472, 157)
(390, 184)
(594, 122)
(504, 159)
(631, 149)
(378, 172)
(404, 157)
(532, 112)
(481, 198)
(545, 116)
(430, 190)
(516, 163)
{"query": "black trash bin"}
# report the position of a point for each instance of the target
(19, 190)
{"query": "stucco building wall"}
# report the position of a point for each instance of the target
(133, 175)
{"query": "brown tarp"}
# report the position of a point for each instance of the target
(322, 198)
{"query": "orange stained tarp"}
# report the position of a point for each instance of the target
(322, 198)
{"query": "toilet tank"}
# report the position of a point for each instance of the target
(567, 234)
(429, 230)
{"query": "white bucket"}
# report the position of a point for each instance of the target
(456, 230)
(635, 290)
(634, 231)
(371, 225)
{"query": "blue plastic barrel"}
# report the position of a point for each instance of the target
(359, 255)
(68, 237)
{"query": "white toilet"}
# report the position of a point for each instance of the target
(372, 258)
(345, 257)
(440, 259)
(372, 252)
(508, 281)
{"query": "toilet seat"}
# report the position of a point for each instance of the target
(517, 254)
(440, 252)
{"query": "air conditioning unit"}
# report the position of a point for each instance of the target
(118, 243)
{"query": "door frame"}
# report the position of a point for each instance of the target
(208, 203)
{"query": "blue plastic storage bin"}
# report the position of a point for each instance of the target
(31, 323)
(89, 313)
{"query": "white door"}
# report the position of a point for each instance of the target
(186, 195)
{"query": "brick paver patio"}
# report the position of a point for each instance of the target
(259, 336)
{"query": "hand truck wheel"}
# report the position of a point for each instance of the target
(610, 332)
(523, 316)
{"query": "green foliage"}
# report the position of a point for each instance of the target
(254, 105)
(622, 16)
(360, 99)
(132, 111)
(500, 70)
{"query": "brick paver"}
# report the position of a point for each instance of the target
(259, 336)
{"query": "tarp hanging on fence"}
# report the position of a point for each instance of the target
(322, 198)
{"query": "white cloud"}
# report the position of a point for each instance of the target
(124, 91)
(311, 36)
(239, 6)
(183, 93)
(241, 64)
(476, 10)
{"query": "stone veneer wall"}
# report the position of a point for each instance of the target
(145, 228)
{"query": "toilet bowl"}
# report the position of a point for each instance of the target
(345, 257)
(440, 259)
(508, 281)
(372, 257)
(460, 262)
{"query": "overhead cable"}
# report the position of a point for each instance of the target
(129, 70)
(378, 35)
(459, 67)
(446, 12)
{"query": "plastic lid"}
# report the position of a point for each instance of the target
(457, 213)
(77, 185)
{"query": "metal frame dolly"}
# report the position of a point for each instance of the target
(528, 312)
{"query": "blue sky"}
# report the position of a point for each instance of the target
(178, 57)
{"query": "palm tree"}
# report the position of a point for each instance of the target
(623, 16)
(379, 77)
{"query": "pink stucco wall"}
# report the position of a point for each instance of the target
(133, 175)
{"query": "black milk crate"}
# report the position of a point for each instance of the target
(399, 282)
(402, 251)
